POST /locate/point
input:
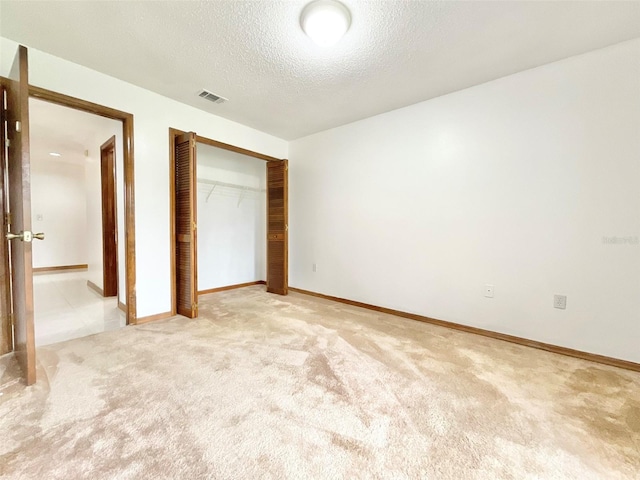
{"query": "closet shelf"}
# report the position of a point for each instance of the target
(217, 183)
(242, 188)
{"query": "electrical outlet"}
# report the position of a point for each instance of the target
(488, 291)
(314, 267)
(560, 301)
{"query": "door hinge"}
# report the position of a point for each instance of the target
(7, 218)
(8, 142)
(194, 307)
(193, 225)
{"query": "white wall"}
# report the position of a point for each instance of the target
(513, 183)
(153, 115)
(93, 232)
(58, 198)
(231, 223)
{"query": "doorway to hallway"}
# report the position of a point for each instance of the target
(76, 189)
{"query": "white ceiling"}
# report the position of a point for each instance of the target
(253, 52)
(63, 130)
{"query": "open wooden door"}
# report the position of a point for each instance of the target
(277, 227)
(185, 201)
(19, 187)
(109, 218)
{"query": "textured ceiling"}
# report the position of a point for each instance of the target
(253, 52)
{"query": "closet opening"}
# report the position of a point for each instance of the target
(228, 219)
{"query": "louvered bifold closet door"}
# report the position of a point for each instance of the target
(185, 215)
(277, 228)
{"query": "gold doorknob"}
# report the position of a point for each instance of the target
(25, 236)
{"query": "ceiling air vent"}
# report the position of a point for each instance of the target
(212, 97)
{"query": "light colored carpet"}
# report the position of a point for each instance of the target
(263, 386)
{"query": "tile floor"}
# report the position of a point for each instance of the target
(66, 308)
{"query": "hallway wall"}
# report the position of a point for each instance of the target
(58, 203)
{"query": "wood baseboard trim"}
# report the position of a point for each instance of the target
(592, 357)
(231, 287)
(122, 306)
(82, 266)
(153, 318)
(95, 288)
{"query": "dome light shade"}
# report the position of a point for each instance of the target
(325, 21)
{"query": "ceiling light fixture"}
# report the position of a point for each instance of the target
(55, 154)
(325, 21)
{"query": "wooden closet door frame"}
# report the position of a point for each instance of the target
(173, 133)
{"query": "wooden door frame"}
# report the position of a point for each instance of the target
(173, 133)
(6, 328)
(110, 283)
(129, 179)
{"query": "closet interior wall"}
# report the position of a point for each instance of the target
(231, 218)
